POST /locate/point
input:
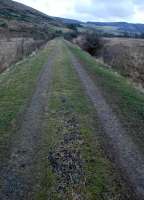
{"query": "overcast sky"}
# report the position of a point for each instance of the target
(92, 10)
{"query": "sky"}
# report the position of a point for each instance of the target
(92, 10)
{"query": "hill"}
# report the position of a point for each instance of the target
(69, 21)
(117, 28)
(18, 19)
(23, 30)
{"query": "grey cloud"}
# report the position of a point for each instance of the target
(95, 10)
(105, 8)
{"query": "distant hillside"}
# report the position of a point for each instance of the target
(68, 21)
(117, 27)
(16, 18)
(23, 30)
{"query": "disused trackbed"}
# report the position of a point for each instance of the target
(17, 178)
(125, 152)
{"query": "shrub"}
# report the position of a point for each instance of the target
(70, 35)
(3, 24)
(92, 43)
(72, 26)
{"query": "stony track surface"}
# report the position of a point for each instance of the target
(18, 176)
(66, 159)
(121, 147)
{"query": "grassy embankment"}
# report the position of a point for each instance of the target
(126, 101)
(102, 180)
(16, 87)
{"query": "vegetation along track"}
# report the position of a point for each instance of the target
(126, 153)
(16, 177)
(57, 151)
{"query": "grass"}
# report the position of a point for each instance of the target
(16, 87)
(126, 101)
(103, 181)
(107, 29)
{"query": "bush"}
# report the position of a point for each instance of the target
(72, 26)
(3, 24)
(70, 35)
(93, 43)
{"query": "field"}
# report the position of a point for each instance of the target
(126, 56)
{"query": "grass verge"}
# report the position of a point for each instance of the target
(102, 180)
(16, 87)
(126, 101)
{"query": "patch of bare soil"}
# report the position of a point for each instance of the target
(18, 175)
(123, 150)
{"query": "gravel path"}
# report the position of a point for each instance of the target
(125, 153)
(18, 176)
(65, 157)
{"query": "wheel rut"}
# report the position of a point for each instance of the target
(125, 153)
(18, 177)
